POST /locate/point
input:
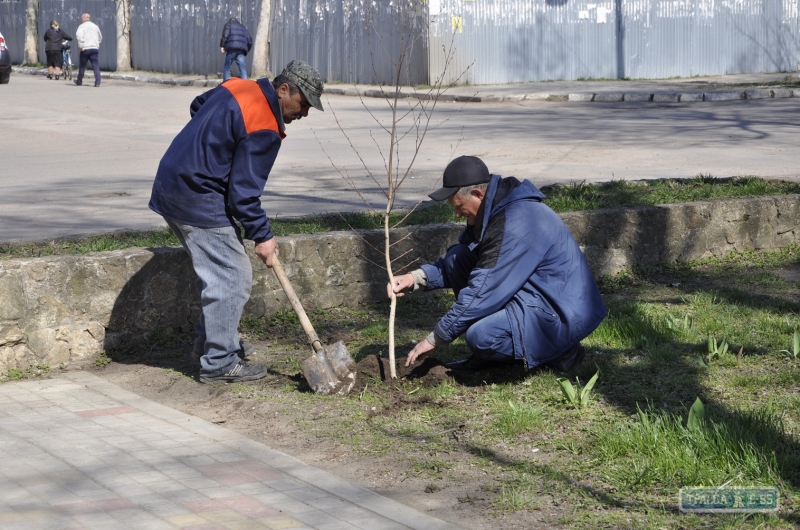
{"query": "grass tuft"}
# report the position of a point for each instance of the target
(514, 498)
(658, 451)
(518, 418)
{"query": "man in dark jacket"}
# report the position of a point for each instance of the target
(209, 183)
(54, 39)
(235, 44)
(524, 290)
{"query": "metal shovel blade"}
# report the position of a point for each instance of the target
(330, 371)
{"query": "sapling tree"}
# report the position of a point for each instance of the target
(401, 133)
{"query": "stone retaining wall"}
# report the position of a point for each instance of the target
(60, 310)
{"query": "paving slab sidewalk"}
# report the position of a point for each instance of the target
(80, 452)
(678, 90)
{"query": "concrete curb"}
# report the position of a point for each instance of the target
(56, 310)
(378, 92)
(165, 79)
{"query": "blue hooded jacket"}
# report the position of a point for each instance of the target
(215, 170)
(528, 263)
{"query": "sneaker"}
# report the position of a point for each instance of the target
(77, 82)
(246, 350)
(96, 85)
(49, 76)
(569, 360)
(241, 372)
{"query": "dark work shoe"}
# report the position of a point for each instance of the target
(77, 82)
(569, 360)
(474, 364)
(96, 85)
(246, 350)
(241, 372)
(49, 76)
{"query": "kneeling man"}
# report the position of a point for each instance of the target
(524, 290)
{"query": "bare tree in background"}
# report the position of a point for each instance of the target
(31, 48)
(403, 133)
(123, 23)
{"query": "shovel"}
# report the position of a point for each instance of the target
(330, 370)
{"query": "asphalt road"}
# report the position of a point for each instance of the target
(81, 160)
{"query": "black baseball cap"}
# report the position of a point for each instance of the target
(462, 171)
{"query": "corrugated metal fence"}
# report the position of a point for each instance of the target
(495, 41)
(12, 26)
(353, 40)
(183, 37)
(68, 13)
(505, 41)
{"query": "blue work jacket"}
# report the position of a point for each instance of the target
(215, 170)
(528, 263)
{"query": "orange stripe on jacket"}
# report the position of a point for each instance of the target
(256, 111)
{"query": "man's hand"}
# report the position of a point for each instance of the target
(266, 249)
(402, 284)
(420, 351)
(222, 50)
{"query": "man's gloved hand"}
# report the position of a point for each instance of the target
(402, 284)
(265, 250)
(420, 351)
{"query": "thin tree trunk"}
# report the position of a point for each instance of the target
(123, 35)
(393, 298)
(391, 188)
(31, 50)
(261, 44)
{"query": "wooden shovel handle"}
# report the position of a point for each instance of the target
(296, 305)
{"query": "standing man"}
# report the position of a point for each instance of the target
(524, 290)
(208, 188)
(89, 39)
(235, 44)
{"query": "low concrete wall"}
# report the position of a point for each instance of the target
(59, 310)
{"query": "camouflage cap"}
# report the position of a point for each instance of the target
(307, 80)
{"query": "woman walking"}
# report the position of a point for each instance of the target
(54, 40)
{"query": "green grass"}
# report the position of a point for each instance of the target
(562, 198)
(620, 462)
(33, 371)
(515, 419)
(513, 498)
(621, 193)
(657, 451)
(506, 435)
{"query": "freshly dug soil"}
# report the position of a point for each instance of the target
(429, 373)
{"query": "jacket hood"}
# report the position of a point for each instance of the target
(503, 192)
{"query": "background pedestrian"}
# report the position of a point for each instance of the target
(54, 39)
(89, 39)
(235, 43)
